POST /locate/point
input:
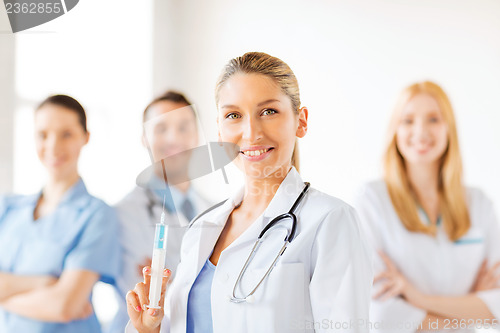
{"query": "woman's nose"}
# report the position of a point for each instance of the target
(252, 130)
(52, 144)
(421, 129)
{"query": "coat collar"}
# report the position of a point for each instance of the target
(286, 195)
(282, 201)
(211, 225)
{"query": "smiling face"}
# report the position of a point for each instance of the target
(59, 138)
(170, 129)
(422, 134)
(255, 114)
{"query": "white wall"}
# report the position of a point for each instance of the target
(7, 103)
(100, 53)
(352, 58)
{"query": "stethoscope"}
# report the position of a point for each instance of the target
(288, 239)
(152, 202)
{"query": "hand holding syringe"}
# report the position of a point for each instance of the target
(143, 319)
(155, 280)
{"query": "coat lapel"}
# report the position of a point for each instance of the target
(282, 201)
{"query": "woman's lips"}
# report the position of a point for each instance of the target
(256, 153)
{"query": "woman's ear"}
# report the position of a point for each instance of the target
(302, 127)
(143, 141)
(87, 138)
(219, 139)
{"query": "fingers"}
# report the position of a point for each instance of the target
(381, 276)
(142, 293)
(489, 279)
(146, 274)
(87, 310)
(495, 267)
(385, 287)
(133, 301)
(386, 260)
(483, 267)
(392, 292)
(166, 277)
(133, 305)
(143, 319)
(482, 271)
(494, 281)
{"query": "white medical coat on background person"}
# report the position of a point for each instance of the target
(323, 278)
(434, 265)
(138, 212)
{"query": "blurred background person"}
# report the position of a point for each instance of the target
(170, 127)
(57, 243)
(437, 240)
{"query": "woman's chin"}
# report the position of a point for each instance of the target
(59, 171)
(257, 170)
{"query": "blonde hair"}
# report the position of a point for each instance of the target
(275, 68)
(453, 208)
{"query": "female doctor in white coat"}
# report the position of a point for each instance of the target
(320, 283)
(438, 240)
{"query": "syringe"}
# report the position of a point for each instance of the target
(158, 263)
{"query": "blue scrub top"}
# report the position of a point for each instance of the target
(81, 234)
(199, 307)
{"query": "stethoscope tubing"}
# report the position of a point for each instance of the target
(290, 236)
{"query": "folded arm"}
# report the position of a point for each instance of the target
(439, 308)
(64, 301)
(12, 284)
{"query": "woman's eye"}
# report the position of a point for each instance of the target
(268, 112)
(233, 116)
(41, 136)
(407, 121)
(66, 135)
(434, 119)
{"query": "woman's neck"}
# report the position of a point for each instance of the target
(56, 187)
(52, 193)
(424, 179)
(260, 191)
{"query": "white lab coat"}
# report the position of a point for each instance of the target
(137, 230)
(323, 279)
(434, 265)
